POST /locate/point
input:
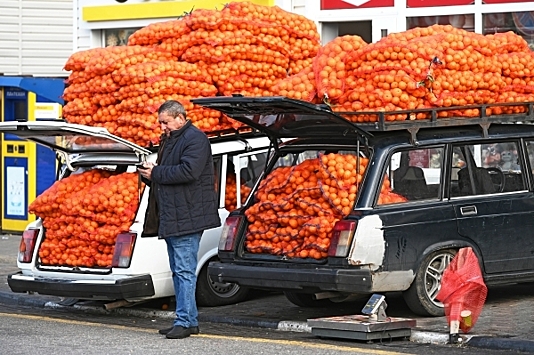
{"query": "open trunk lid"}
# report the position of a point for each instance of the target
(72, 139)
(280, 117)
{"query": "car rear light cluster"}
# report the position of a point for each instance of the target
(124, 245)
(27, 245)
(229, 233)
(342, 238)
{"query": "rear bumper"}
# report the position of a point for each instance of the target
(127, 288)
(323, 279)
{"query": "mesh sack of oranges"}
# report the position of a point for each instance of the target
(438, 66)
(329, 65)
(301, 86)
(82, 215)
(518, 73)
(91, 85)
(156, 33)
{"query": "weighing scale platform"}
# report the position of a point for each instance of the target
(359, 327)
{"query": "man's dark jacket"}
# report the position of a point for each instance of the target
(183, 184)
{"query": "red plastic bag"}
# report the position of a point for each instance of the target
(463, 289)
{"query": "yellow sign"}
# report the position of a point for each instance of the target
(160, 9)
(48, 110)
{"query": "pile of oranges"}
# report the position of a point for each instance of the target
(324, 79)
(422, 68)
(257, 50)
(121, 88)
(83, 214)
(296, 207)
(243, 48)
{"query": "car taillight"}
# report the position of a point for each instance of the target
(229, 233)
(123, 250)
(27, 245)
(342, 238)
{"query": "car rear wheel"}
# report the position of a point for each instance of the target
(421, 296)
(212, 294)
(306, 300)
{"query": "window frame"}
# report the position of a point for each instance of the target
(386, 170)
(521, 156)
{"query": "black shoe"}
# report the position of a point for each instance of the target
(194, 330)
(178, 332)
(165, 331)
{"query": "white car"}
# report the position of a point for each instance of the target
(140, 270)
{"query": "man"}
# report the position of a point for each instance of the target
(183, 185)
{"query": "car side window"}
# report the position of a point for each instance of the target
(530, 152)
(413, 175)
(480, 169)
(250, 166)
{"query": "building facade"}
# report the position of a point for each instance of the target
(36, 36)
(373, 19)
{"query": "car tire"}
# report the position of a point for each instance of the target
(306, 300)
(212, 294)
(421, 296)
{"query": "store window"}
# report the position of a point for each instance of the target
(466, 22)
(117, 36)
(521, 23)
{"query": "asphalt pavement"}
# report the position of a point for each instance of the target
(506, 322)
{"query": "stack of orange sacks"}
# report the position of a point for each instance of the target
(297, 207)
(95, 92)
(245, 48)
(83, 214)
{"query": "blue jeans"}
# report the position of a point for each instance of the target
(183, 252)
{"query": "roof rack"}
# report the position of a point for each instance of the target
(413, 125)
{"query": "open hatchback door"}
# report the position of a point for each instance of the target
(280, 117)
(77, 142)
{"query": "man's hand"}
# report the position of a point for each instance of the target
(146, 170)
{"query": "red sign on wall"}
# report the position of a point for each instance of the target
(432, 3)
(354, 4)
(502, 1)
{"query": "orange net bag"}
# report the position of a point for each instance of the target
(83, 214)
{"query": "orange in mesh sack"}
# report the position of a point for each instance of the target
(463, 289)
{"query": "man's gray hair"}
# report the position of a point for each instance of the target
(172, 108)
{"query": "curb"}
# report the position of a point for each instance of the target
(13, 298)
(417, 336)
(486, 342)
(145, 313)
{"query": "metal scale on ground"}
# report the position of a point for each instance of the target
(373, 324)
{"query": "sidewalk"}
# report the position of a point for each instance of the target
(506, 322)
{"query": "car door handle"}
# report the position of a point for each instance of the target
(468, 210)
